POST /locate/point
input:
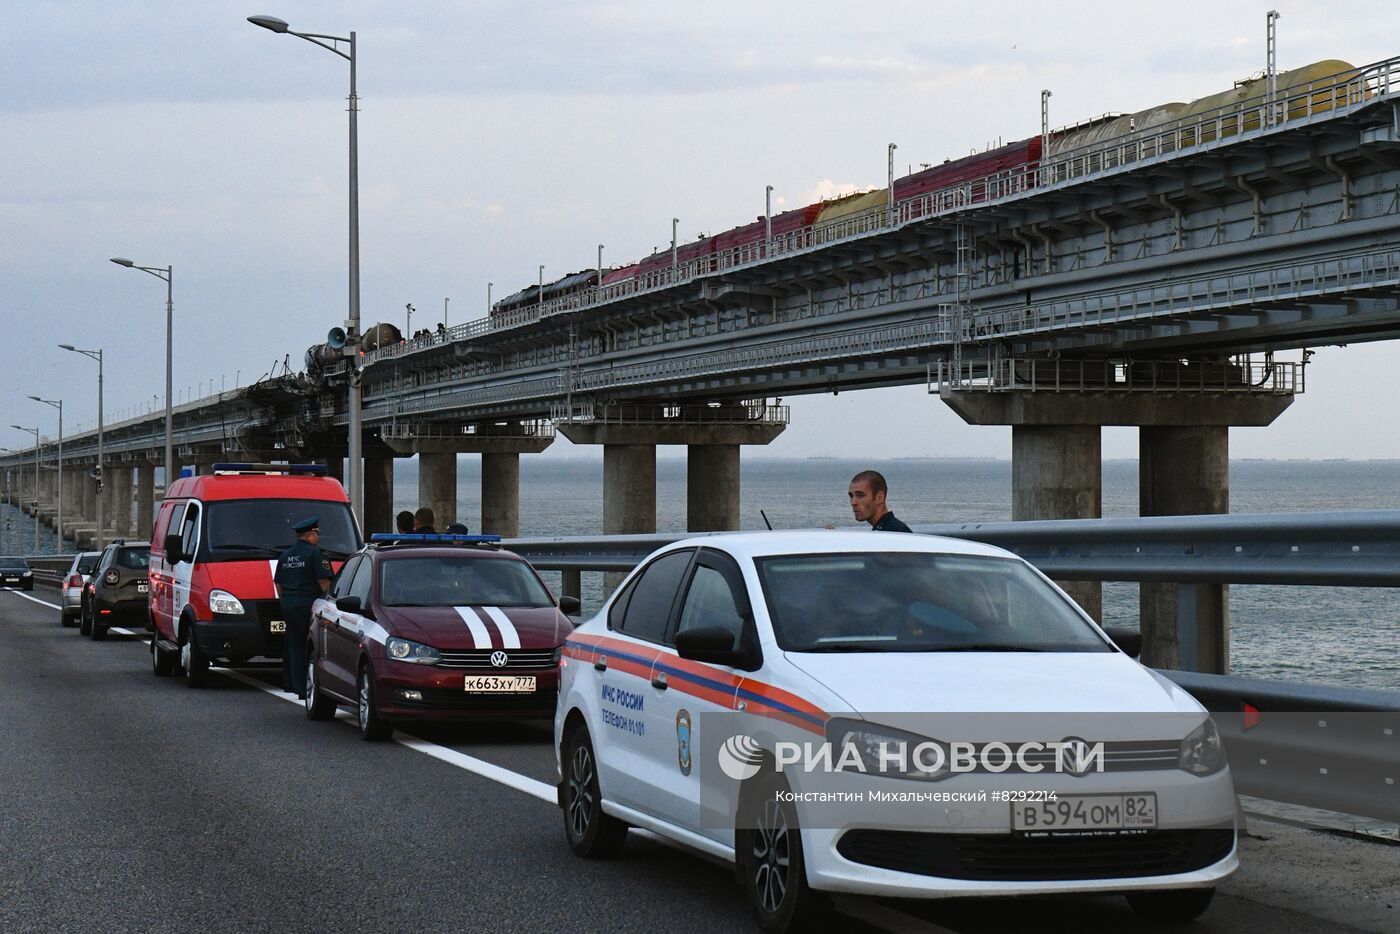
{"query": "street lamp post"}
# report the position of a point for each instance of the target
(488, 298)
(408, 321)
(58, 477)
(36, 483)
(675, 222)
(97, 355)
(352, 323)
(167, 274)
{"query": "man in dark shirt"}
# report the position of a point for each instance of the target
(424, 521)
(403, 522)
(867, 493)
(303, 574)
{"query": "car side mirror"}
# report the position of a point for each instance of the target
(1129, 640)
(348, 604)
(173, 555)
(714, 644)
(570, 606)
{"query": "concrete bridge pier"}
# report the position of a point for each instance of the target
(145, 499)
(500, 447)
(379, 493)
(1184, 470)
(712, 436)
(119, 496)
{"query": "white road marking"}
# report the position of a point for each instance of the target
(20, 593)
(510, 639)
(869, 911)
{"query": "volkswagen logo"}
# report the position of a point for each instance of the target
(498, 659)
(1074, 756)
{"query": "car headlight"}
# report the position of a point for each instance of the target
(27, 574)
(1202, 751)
(225, 603)
(416, 653)
(885, 751)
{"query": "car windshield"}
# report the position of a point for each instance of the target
(244, 529)
(459, 580)
(87, 562)
(13, 564)
(137, 559)
(918, 602)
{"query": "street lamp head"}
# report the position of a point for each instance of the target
(36, 399)
(120, 261)
(269, 22)
(66, 347)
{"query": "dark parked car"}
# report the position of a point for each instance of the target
(74, 584)
(14, 572)
(118, 591)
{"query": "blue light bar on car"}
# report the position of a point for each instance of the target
(312, 469)
(431, 537)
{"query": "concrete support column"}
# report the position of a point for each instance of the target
(1185, 471)
(571, 583)
(437, 486)
(89, 488)
(1057, 473)
(500, 494)
(629, 495)
(119, 496)
(379, 494)
(629, 489)
(145, 500)
(712, 488)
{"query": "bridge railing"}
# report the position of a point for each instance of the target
(1242, 374)
(1323, 98)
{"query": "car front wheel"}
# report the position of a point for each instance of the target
(193, 661)
(770, 861)
(1171, 906)
(591, 833)
(372, 727)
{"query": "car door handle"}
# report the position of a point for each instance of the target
(601, 663)
(659, 682)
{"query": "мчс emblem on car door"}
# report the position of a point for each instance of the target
(683, 741)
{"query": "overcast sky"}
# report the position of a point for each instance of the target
(498, 136)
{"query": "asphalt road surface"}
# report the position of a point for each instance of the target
(131, 803)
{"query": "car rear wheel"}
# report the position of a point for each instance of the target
(591, 833)
(162, 662)
(1172, 906)
(372, 727)
(67, 619)
(84, 624)
(97, 627)
(318, 705)
(771, 865)
(193, 661)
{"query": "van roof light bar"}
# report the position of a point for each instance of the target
(311, 470)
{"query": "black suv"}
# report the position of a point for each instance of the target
(118, 591)
(14, 572)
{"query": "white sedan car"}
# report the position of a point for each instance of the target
(890, 715)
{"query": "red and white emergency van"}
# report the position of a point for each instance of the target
(213, 552)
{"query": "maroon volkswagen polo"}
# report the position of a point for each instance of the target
(435, 627)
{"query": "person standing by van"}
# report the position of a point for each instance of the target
(303, 574)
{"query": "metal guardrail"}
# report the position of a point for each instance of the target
(1318, 746)
(1348, 549)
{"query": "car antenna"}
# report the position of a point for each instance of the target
(765, 520)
